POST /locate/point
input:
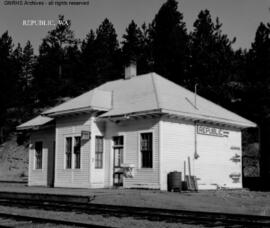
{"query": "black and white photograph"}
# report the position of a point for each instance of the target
(140, 114)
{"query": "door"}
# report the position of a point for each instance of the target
(118, 160)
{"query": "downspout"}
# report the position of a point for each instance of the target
(196, 155)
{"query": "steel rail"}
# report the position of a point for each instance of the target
(149, 213)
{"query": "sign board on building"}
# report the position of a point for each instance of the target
(85, 135)
(214, 131)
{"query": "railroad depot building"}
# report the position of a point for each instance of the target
(143, 124)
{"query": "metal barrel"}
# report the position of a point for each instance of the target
(174, 181)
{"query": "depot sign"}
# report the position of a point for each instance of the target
(213, 131)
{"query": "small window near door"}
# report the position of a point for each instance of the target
(146, 150)
(99, 152)
(38, 154)
(68, 152)
(77, 152)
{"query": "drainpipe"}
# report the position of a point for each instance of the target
(196, 155)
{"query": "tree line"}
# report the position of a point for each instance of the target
(66, 66)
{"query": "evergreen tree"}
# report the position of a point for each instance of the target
(87, 61)
(107, 53)
(211, 59)
(257, 96)
(52, 74)
(132, 43)
(101, 59)
(26, 80)
(170, 43)
(136, 47)
(8, 85)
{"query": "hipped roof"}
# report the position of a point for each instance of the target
(92, 100)
(35, 122)
(145, 94)
(153, 92)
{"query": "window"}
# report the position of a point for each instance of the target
(38, 150)
(77, 152)
(146, 150)
(99, 152)
(68, 152)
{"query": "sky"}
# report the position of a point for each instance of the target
(240, 18)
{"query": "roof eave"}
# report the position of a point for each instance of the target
(185, 116)
(77, 110)
(34, 127)
(210, 119)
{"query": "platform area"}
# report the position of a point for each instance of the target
(227, 201)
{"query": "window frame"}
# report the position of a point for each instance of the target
(101, 154)
(73, 155)
(65, 152)
(76, 154)
(123, 146)
(140, 151)
(38, 166)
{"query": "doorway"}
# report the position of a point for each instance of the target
(118, 146)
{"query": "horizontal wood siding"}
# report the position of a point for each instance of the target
(214, 165)
(177, 145)
(131, 129)
(76, 178)
(39, 177)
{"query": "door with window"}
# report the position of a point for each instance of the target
(118, 146)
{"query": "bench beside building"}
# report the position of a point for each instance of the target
(145, 122)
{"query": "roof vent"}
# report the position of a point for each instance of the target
(131, 70)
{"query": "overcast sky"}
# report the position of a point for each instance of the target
(240, 18)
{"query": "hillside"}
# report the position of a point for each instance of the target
(13, 161)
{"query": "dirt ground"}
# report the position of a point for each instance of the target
(237, 201)
(228, 201)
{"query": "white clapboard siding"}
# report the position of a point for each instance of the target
(39, 177)
(75, 178)
(131, 129)
(176, 145)
(214, 166)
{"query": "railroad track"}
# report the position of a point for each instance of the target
(16, 220)
(181, 216)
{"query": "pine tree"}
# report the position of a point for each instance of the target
(101, 55)
(87, 61)
(136, 47)
(170, 43)
(8, 85)
(132, 43)
(52, 77)
(211, 59)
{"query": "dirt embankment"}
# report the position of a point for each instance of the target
(13, 161)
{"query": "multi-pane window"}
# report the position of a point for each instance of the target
(38, 151)
(99, 152)
(77, 152)
(68, 152)
(146, 150)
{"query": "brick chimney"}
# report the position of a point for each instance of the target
(131, 70)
